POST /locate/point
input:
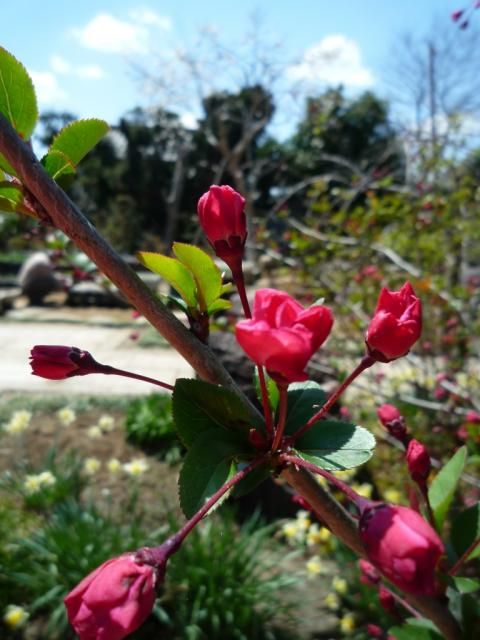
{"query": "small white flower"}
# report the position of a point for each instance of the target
(66, 416)
(106, 423)
(15, 616)
(19, 422)
(136, 467)
(314, 566)
(34, 483)
(114, 465)
(94, 432)
(91, 466)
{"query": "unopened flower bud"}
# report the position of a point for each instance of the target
(368, 573)
(402, 545)
(418, 461)
(113, 600)
(221, 211)
(387, 600)
(393, 421)
(58, 362)
(396, 324)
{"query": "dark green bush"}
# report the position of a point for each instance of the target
(149, 424)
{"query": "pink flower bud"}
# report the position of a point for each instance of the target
(222, 217)
(456, 15)
(374, 631)
(418, 461)
(282, 336)
(387, 600)
(393, 421)
(402, 545)
(368, 573)
(472, 416)
(396, 324)
(58, 362)
(113, 600)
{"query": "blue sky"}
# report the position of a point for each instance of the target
(80, 54)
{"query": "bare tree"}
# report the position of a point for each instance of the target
(434, 87)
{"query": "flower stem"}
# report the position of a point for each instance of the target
(161, 553)
(403, 603)
(424, 491)
(267, 411)
(365, 363)
(463, 557)
(108, 370)
(282, 417)
(357, 500)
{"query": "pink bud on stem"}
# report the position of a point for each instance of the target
(55, 362)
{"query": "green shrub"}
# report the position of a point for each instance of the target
(225, 583)
(41, 569)
(149, 423)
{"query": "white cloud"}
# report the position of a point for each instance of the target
(47, 88)
(59, 65)
(189, 120)
(92, 71)
(108, 34)
(142, 15)
(334, 60)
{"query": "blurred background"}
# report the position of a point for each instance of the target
(353, 131)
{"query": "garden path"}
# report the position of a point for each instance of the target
(106, 336)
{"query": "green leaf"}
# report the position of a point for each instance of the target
(251, 482)
(174, 272)
(465, 585)
(465, 530)
(272, 389)
(18, 102)
(207, 466)
(6, 166)
(304, 400)
(206, 273)
(219, 305)
(444, 485)
(59, 167)
(415, 631)
(200, 406)
(11, 196)
(78, 138)
(336, 445)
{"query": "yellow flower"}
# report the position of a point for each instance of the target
(114, 465)
(19, 421)
(91, 466)
(332, 602)
(106, 423)
(340, 585)
(66, 416)
(324, 534)
(314, 566)
(290, 530)
(365, 489)
(15, 616)
(392, 495)
(347, 623)
(136, 467)
(35, 482)
(94, 432)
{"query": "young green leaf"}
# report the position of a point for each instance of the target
(465, 530)
(59, 167)
(11, 196)
(304, 400)
(219, 305)
(18, 102)
(200, 406)
(174, 272)
(335, 445)
(207, 466)
(465, 585)
(414, 631)
(206, 273)
(272, 389)
(78, 138)
(444, 485)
